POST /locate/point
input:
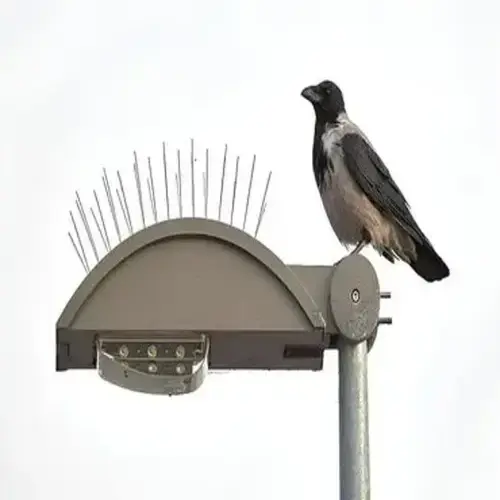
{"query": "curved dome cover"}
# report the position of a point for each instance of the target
(191, 274)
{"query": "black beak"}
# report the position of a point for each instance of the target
(311, 94)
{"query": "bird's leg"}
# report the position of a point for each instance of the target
(365, 239)
(359, 247)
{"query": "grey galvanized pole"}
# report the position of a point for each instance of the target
(354, 447)
(356, 321)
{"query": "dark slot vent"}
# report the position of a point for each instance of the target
(302, 351)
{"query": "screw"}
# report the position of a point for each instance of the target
(123, 351)
(180, 369)
(180, 351)
(152, 351)
(152, 368)
(355, 296)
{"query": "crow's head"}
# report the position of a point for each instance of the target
(326, 98)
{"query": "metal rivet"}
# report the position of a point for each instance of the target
(180, 351)
(152, 368)
(123, 351)
(152, 351)
(355, 296)
(180, 369)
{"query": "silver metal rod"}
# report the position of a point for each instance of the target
(193, 191)
(139, 188)
(77, 252)
(223, 176)
(167, 199)
(86, 225)
(124, 212)
(102, 221)
(178, 179)
(354, 459)
(112, 207)
(84, 255)
(152, 188)
(99, 229)
(205, 182)
(150, 194)
(204, 176)
(235, 185)
(249, 192)
(259, 220)
(124, 196)
(263, 205)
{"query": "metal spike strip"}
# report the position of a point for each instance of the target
(99, 218)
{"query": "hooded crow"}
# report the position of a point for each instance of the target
(363, 203)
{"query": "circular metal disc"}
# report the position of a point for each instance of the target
(355, 298)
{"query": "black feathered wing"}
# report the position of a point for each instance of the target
(370, 173)
(368, 170)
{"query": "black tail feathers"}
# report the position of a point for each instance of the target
(429, 264)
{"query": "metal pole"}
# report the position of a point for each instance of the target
(354, 460)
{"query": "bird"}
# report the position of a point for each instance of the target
(362, 201)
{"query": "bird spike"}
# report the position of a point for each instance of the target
(165, 178)
(206, 184)
(249, 192)
(139, 188)
(178, 181)
(193, 190)
(103, 222)
(107, 189)
(152, 195)
(154, 211)
(125, 202)
(222, 179)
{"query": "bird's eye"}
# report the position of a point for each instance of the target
(327, 90)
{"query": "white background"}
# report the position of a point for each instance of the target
(84, 83)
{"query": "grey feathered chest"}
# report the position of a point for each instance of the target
(341, 196)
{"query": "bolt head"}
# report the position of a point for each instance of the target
(355, 296)
(123, 351)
